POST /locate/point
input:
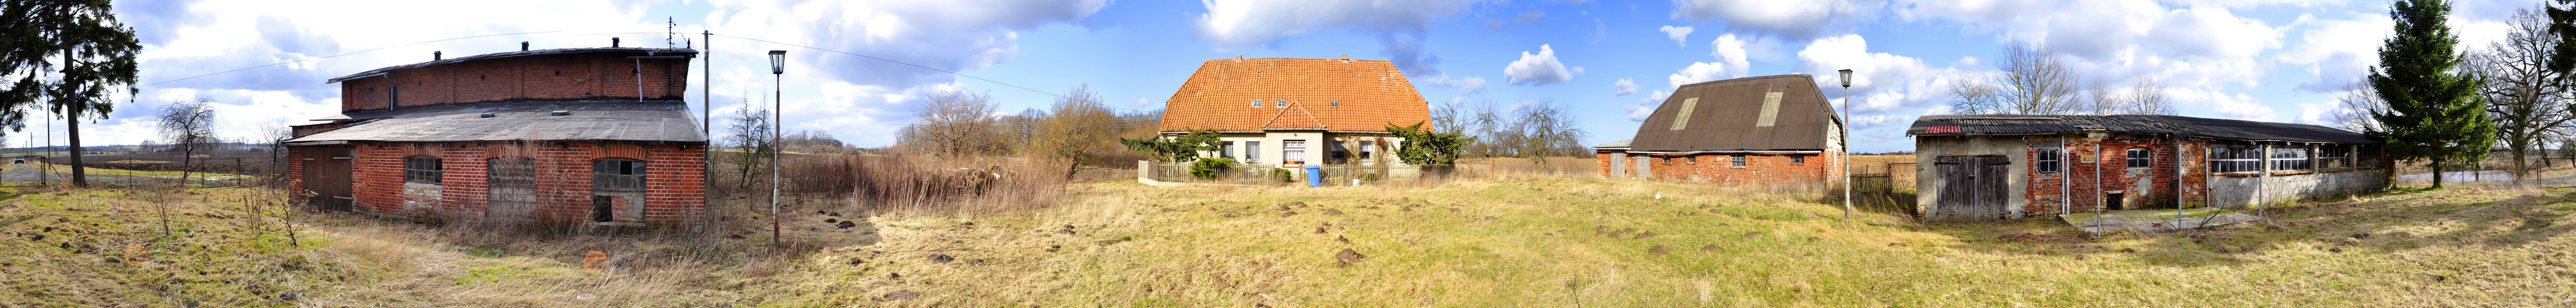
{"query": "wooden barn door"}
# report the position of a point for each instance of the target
(326, 174)
(1973, 188)
(513, 188)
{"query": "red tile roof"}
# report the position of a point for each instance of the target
(1220, 96)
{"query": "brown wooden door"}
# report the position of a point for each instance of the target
(326, 174)
(1973, 188)
(513, 194)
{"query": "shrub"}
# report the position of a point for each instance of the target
(1210, 168)
(1371, 177)
(1283, 175)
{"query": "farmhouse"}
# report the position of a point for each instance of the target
(1988, 167)
(595, 136)
(1768, 130)
(1289, 112)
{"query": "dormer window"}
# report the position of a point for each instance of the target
(1256, 103)
(1337, 103)
(1283, 103)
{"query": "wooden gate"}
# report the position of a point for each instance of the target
(513, 189)
(1972, 189)
(326, 174)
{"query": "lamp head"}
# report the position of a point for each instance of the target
(1846, 78)
(777, 62)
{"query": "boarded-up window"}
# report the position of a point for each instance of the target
(421, 169)
(1770, 110)
(1682, 118)
(617, 175)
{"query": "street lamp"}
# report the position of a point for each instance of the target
(777, 112)
(1846, 136)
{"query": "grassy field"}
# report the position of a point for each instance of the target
(1534, 242)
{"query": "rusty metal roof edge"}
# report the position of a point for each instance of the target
(388, 69)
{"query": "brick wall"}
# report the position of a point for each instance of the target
(2091, 168)
(568, 76)
(1759, 168)
(673, 182)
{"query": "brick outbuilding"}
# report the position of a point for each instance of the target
(1990, 167)
(595, 136)
(1755, 131)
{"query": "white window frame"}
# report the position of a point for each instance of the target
(1292, 150)
(2291, 158)
(2235, 158)
(1252, 151)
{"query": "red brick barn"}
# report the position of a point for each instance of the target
(1991, 167)
(1755, 131)
(595, 136)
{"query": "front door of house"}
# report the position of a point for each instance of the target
(326, 175)
(1972, 188)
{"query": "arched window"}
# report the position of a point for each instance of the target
(422, 169)
(2141, 157)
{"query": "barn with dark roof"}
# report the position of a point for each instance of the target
(585, 136)
(1768, 130)
(1990, 167)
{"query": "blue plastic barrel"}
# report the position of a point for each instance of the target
(1314, 176)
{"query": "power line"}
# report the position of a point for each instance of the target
(934, 69)
(337, 55)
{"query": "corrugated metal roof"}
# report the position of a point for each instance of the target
(1621, 144)
(1727, 114)
(628, 121)
(1991, 124)
(638, 51)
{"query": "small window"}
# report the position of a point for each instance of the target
(2047, 159)
(2334, 156)
(1225, 149)
(1692, 159)
(1368, 150)
(1797, 159)
(422, 169)
(2141, 157)
(1292, 150)
(1668, 159)
(1337, 103)
(2291, 158)
(1256, 103)
(2235, 158)
(1251, 151)
(1283, 103)
(1737, 160)
(617, 175)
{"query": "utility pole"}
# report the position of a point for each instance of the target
(707, 154)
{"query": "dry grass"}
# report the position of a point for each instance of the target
(1536, 242)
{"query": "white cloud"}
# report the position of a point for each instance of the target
(1646, 107)
(1679, 34)
(2224, 105)
(1881, 81)
(1874, 121)
(1399, 25)
(1465, 85)
(1539, 69)
(2337, 52)
(1794, 20)
(1623, 87)
(1699, 72)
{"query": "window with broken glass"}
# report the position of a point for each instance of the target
(617, 175)
(422, 169)
(2233, 158)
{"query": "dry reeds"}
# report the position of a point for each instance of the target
(917, 185)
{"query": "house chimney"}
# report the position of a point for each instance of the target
(437, 55)
(523, 45)
(612, 42)
(1346, 56)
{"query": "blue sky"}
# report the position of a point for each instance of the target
(2269, 60)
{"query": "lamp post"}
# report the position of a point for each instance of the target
(777, 111)
(1846, 141)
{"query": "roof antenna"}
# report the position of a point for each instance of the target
(669, 30)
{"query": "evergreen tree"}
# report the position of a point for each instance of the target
(2434, 113)
(95, 54)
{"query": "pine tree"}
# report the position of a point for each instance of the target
(96, 54)
(2434, 113)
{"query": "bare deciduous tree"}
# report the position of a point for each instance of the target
(2526, 99)
(749, 132)
(189, 126)
(955, 124)
(1079, 129)
(2146, 96)
(1546, 129)
(2030, 80)
(2357, 102)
